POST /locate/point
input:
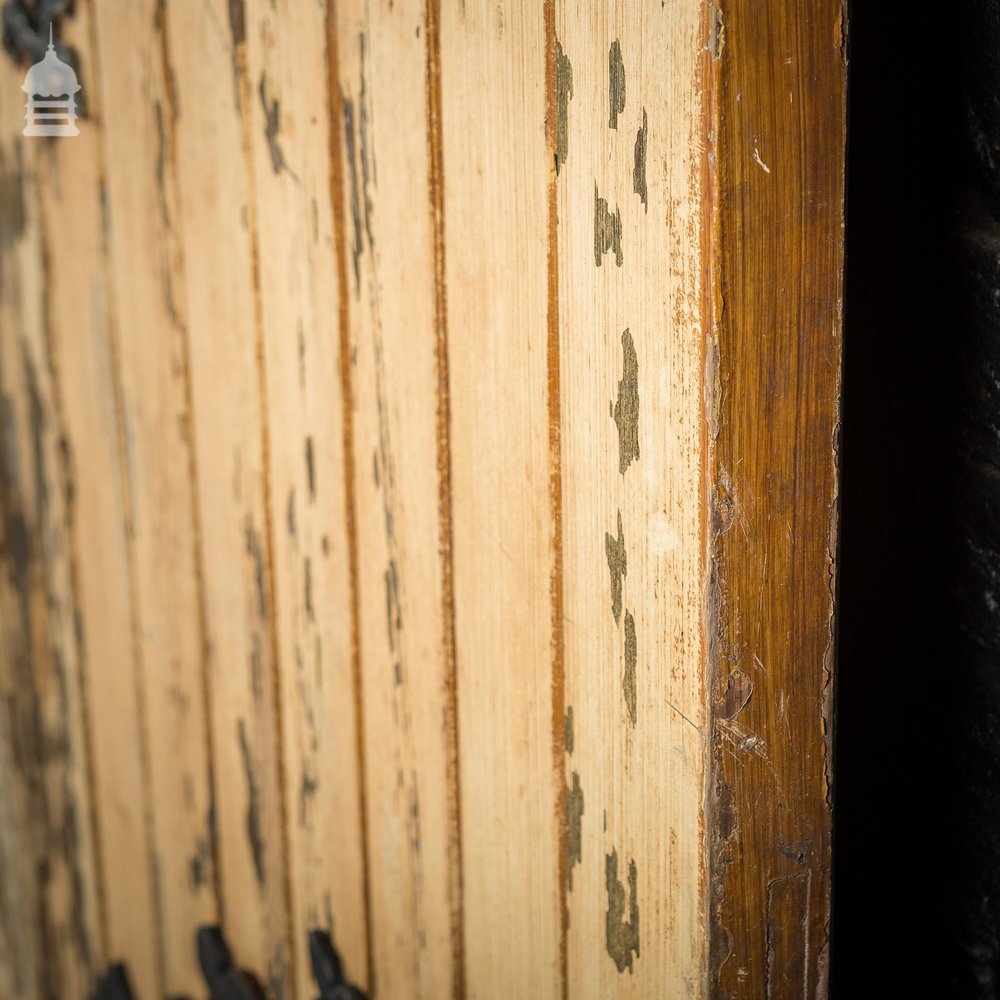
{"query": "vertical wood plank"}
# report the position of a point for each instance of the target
(405, 613)
(497, 169)
(151, 352)
(51, 941)
(206, 58)
(781, 106)
(631, 126)
(290, 137)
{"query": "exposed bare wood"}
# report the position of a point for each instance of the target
(149, 337)
(497, 167)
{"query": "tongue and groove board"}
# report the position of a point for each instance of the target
(394, 335)
(292, 127)
(497, 173)
(418, 490)
(148, 334)
(631, 201)
(208, 50)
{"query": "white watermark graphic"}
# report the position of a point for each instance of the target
(51, 86)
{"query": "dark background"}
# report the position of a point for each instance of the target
(916, 845)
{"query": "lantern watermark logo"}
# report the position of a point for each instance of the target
(51, 86)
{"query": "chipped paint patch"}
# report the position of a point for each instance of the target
(393, 608)
(255, 551)
(628, 677)
(622, 935)
(237, 21)
(574, 825)
(272, 123)
(310, 468)
(254, 836)
(564, 92)
(199, 864)
(13, 211)
(347, 111)
(639, 161)
(607, 230)
(626, 411)
(616, 83)
(614, 549)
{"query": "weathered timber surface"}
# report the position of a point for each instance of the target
(778, 263)
(418, 498)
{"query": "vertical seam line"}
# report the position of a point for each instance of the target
(435, 143)
(554, 402)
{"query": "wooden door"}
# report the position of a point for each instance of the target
(418, 496)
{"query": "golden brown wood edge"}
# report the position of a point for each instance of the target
(778, 80)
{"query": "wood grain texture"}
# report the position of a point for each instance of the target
(149, 334)
(212, 127)
(418, 498)
(405, 616)
(290, 142)
(51, 939)
(631, 289)
(781, 84)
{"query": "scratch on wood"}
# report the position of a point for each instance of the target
(626, 410)
(618, 567)
(622, 935)
(568, 729)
